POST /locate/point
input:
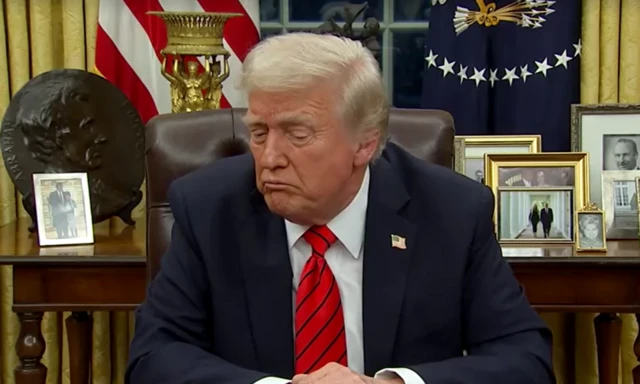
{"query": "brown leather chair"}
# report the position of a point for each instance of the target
(179, 143)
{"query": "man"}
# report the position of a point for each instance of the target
(323, 259)
(625, 153)
(480, 176)
(58, 215)
(546, 218)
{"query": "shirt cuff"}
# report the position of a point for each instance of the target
(406, 374)
(272, 380)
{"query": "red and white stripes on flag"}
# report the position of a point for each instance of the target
(129, 42)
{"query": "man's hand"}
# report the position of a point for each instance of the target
(334, 373)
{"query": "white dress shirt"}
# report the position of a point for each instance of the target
(345, 259)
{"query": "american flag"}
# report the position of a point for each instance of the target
(129, 43)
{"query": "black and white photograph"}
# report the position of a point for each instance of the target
(63, 209)
(620, 204)
(620, 152)
(591, 236)
(474, 169)
(540, 177)
(610, 133)
(535, 216)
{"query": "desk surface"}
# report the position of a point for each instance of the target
(126, 245)
(116, 245)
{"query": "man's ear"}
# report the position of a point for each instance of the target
(367, 146)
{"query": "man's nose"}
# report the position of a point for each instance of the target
(273, 156)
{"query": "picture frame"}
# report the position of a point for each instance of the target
(638, 201)
(475, 147)
(591, 234)
(598, 129)
(620, 204)
(63, 209)
(556, 182)
(458, 155)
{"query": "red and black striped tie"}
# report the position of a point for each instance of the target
(319, 321)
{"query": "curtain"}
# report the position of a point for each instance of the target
(610, 74)
(37, 36)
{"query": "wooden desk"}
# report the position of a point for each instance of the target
(111, 276)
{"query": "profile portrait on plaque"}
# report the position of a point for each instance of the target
(73, 121)
(63, 208)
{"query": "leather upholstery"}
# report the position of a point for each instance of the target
(180, 143)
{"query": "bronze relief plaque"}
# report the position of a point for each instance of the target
(70, 120)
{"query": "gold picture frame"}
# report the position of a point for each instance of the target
(475, 147)
(458, 154)
(595, 129)
(561, 175)
(585, 222)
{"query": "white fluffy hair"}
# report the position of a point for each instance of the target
(299, 60)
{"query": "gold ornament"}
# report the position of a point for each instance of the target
(198, 35)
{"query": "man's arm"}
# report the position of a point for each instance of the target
(506, 341)
(172, 340)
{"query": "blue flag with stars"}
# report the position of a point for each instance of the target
(505, 67)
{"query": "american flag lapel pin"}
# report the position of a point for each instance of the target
(398, 242)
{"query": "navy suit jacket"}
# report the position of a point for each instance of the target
(220, 309)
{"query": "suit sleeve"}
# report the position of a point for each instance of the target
(505, 339)
(172, 343)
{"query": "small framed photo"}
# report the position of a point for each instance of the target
(530, 215)
(475, 147)
(63, 209)
(620, 204)
(610, 133)
(458, 155)
(590, 229)
(537, 195)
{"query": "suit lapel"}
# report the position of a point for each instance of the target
(385, 267)
(268, 279)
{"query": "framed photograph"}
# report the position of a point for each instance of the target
(533, 215)
(610, 133)
(458, 155)
(63, 208)
(537, 195)
(620, 204)
(590, 229)
(475, 147)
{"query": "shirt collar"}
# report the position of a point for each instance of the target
(348, 225)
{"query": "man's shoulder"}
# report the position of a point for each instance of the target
(436, 183)
(216, 184)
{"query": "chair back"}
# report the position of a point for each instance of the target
(180, 143)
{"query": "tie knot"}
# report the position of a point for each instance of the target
(320, 238)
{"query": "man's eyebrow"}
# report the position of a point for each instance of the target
(250, 120)
(284, 119)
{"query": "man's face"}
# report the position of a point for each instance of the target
(305, 155)
(626, 159)
(59, 187)
(82, 141)
(540, 177)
